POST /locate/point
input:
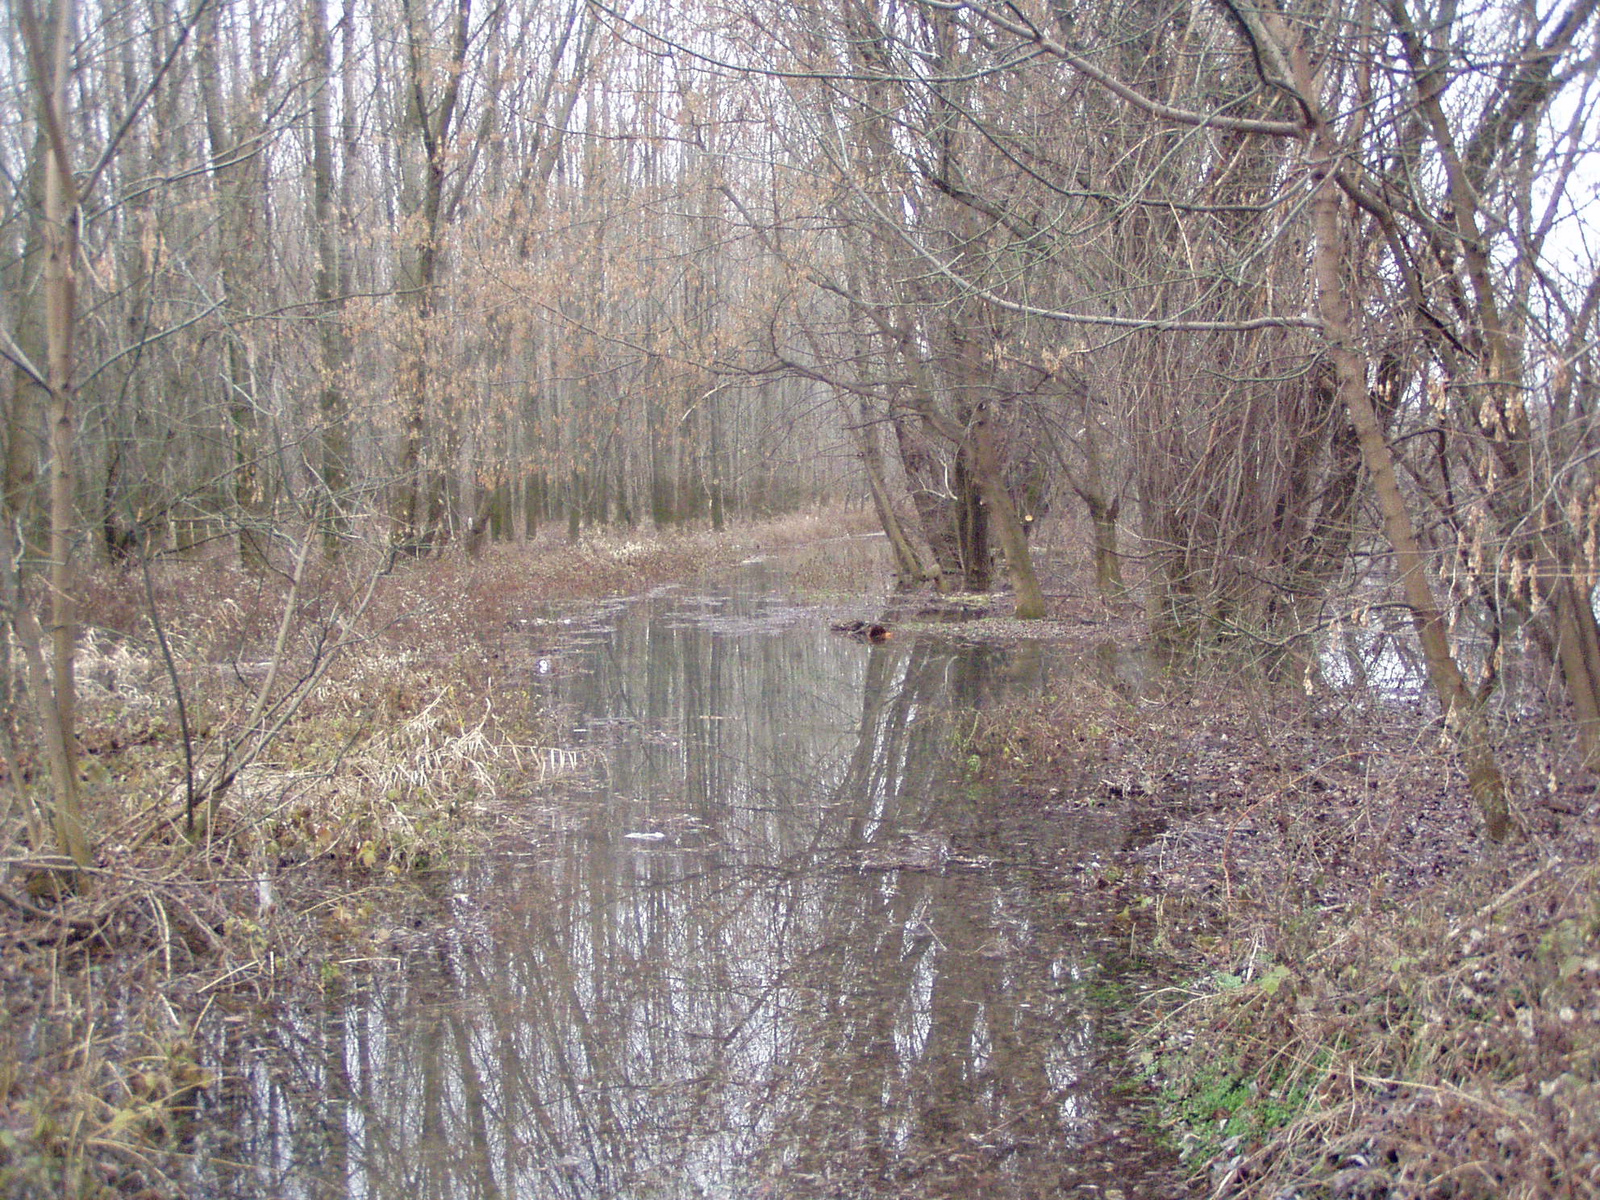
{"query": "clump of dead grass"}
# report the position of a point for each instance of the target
(1443, 1046)
(392, 768)
(396, 777)
(402, 755)
(1358, 997)
(114, 1109)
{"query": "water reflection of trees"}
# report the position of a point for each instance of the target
(798, 984)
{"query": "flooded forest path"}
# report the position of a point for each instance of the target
(774, 941)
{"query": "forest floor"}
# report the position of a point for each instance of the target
(1347, 992)
(1335, 988)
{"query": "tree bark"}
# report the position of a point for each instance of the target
(232, 158)
(330, 283)
(55, 696)
(1462, 710)
(421, 496)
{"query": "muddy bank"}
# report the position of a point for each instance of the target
(324, 858)
(685, 892)
(1349, 992)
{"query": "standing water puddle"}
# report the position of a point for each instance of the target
(778, 946)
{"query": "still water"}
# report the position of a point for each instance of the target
(775, 943)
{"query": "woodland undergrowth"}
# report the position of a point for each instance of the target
(1352, 994)
(417, 743)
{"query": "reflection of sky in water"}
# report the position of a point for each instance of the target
(787, 988)
(1387, 663)
(1380, 661)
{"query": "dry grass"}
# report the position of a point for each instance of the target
(392, 763)
(1431, 1054)
(1358, 997)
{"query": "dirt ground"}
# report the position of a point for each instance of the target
(1345, 989)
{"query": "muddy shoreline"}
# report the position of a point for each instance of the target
(1260, 863)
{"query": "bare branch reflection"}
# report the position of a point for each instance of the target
(815, 967)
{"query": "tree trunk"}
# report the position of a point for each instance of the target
(934, 508)
(1019, 559)
(29, 390)
(1578, 645)
(330, 283)
(972, 527)
(55, 694)
(1107, 560)
(231, 167)
(909, 569)
(1462, 710)
(981, 450)
(422, 491)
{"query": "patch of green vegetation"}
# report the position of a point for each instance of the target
(1108, 992)
(1219, 1104)
(26, 1170)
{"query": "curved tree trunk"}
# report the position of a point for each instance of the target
(1463, 710)
(991, 482)
(909, 567)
